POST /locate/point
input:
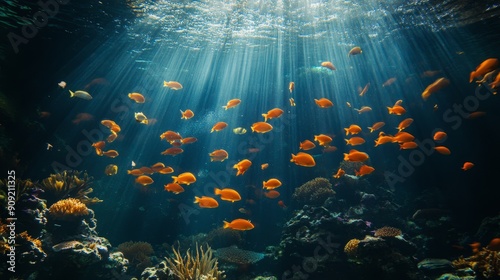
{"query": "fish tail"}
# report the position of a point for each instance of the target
(165, 83)
(196, 199)
(265, 117)
(293, 157)
(175, 179)
(371, 129)
(346, 156)
(346, 141)
(226, 224)
(71, 94)
(346, 131)
(472, 75)
(390, 110)
(217, 191)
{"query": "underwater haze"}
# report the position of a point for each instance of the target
(231, 139)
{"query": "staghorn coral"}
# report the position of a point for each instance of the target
(313, 192)
(387, 232)
(202, 266)
(68, 209)
(137, 253)
(235, 255)
(485, 262)
(351, 248)
(68, 184)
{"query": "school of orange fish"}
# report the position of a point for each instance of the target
(405, 140)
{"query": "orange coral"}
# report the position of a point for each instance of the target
(388, 232)
(485, 262)
(68, 209)
(37, 242)
(351, 248)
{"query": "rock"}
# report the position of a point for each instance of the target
(435, 266)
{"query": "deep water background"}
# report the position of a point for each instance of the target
(28, 84)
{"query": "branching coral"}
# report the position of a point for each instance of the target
(137, 253)
(201, 266)
(68, 184)
(313, 192)
(37, 242)
(485, 262)
(22, 186)
(351, 248)
(68, 209)
(387, 232)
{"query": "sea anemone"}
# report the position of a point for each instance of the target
(68, 209)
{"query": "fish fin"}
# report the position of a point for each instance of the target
(196, 199)
(346, 156)
(226, 224)
(217, 191)
(472, 74)
(71, 94)
(165, 83)
(175, 179)
(265, 117)
(346, 141)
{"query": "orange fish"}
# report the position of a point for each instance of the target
(135, 172)
(108, 123)
(188, 140)
(354, 141)
(264, 166)
(157, 166)
(340, 173)
(402, 137)
(376, 126)
(218, 126)
(476, 114)
(430, 73)
(355, 155)
(271, 184)
(383, 139)
(112, 137)
(328, 65)
(303, 159)
(173, 85)
(476, 246)
(239, 224)
(353, 129)
(272, 194)
(272, 114)
(185, 178)
(170, 136)
(442, 150)
(147, 170)
(432, 88)
(439, 136)
(173, 151)
(292, 102)
(323, 140)
(291, 86)
(323, 103)
(228, 194)
(307, 145)
(408, 145)
(218, 155)
(329, 149)
(354, 51)
(467, 165)
(137, 97)
(166, 170)
(110, 153)
(282, 204)
(364, 170)
(186, 115)
(494, 244)
(496, 82)
(82, 117)
(242, 166)
(98, 147)
(115, 128)
(173, 187)
(486, 66)
(144, 180)
(364, 90)
(396, 110)
(261, 127)
(389, 82)
(404, 124)
(363, 109)
(206, 202)
(232, 103)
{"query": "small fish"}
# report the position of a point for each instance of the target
(389, 82)
(439, 136)
(228, 194)
(239, 224)
(340, 173)
(111, 170)
(348, 104)
(173, 187)
(80, 94)
(363, 109)
(352, 129)
(486, 66)
(323, 139)
(354, 51)
(264, 166)
(132, 164)
(218, 155)
(110, 153)
(218, 127)
(356, 156)
(137, 97)
(364, 170)
(141, 118)
(62, 84)
(354, 141)
(242, 166)
(271, 184)
(239, 130)
(292, 102)
(144, 180)
(404, 124)
(323, 103)
(185, 178)
(376, 126)
(442, 150)
(272, 114)
(303, 159)
(329, 65)
(307, 145)
(232, 103)
(261, 127)
(173, 85)
(396, 110)
(186, 115)
(364, 90)
(206, 202)
(272, 194)
(291, 86)
(49, 147)
(467, 165)
(434, 87)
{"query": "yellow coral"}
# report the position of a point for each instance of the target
(201, 266)
(37, 242)
(68, 184)
(68, 209)
(351, 248)
(485, 262)
(313, 192)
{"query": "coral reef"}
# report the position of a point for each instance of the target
(485, 263)
(137, 253)
(68, 184)
(387, 232)
(223, 237)
(350, 167)
(313, 192)
(351, 248)
(238, 256)
(68, 209)
(202, 266)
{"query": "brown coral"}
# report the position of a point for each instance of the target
(37, 242)
(68, 184)
(388, 232)
(68, 209)
(485, 262)
(201, 266)
(313, 192)
(351, 248)
(137, 253)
